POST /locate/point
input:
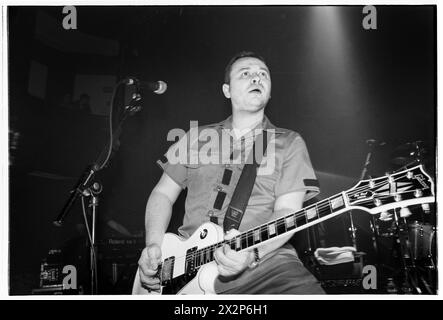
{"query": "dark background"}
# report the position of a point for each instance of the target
(334, 82)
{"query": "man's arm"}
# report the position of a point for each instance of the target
(157, 217)
(285, 204)
(159, 209)
(231, 262)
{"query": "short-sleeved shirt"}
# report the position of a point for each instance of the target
(210, 166)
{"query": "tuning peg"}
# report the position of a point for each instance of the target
(391, 179)
(385, 216)
(426, 208)
(418, 193)
(405, 212)
(377, 202)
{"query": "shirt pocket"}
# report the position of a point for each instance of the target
(202, 176)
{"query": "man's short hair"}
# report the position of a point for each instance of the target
(242, 54)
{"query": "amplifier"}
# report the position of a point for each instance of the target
(51, 268)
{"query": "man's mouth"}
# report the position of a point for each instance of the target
(255, 90)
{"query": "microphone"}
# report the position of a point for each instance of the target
(158, 87)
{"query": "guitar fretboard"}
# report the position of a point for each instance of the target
(271, 229)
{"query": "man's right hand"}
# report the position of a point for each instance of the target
(148, 265)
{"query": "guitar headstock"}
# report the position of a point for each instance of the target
(397, 190)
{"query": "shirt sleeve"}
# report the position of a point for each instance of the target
(297, 173)
(174, 162)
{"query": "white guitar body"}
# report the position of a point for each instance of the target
(174, 246)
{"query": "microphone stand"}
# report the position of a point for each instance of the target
(88, 187)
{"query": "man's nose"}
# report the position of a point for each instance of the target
(256, 79)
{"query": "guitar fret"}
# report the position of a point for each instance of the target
(257, 238)
(210, 254)
(301, 219)
(243, 243)
(232, 244)
(205, 256)
(311, 213)
(324, 210)
(281, 226)
(271, 228)
(264, 234)
(337, 203)
(249, 239)
(290, 222)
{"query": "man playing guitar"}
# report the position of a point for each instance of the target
(274, 267)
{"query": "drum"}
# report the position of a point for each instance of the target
(385, 228)
(422, 239)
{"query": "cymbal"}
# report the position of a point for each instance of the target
(410, 146)
(408, 153)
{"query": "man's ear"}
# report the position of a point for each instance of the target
(225, 89)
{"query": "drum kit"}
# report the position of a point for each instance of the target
(405, 240)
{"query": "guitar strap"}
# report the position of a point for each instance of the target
(240, 197)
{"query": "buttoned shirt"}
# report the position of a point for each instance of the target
(208, 161)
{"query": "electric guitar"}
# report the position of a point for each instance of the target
(188, 266)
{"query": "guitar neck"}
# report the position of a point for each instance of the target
(402, 189)
(274, 229)
(289, 224)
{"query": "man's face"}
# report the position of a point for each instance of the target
(250, 85)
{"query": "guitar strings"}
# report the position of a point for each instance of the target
(251, 233)
(278, 223)
(282, 220)
(203, 251)
(208, 251)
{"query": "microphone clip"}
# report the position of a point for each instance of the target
(134, 104)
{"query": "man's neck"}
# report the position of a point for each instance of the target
(242, 120)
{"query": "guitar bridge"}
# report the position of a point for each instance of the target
(166, 271)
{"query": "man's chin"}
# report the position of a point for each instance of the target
(255, 107)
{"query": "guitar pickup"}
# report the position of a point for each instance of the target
(167, 270)
(192, 261)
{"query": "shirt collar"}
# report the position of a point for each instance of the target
(265, 125)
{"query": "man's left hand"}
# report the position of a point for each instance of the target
(231, 262)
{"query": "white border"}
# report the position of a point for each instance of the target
(4, 196)
(4, 179)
